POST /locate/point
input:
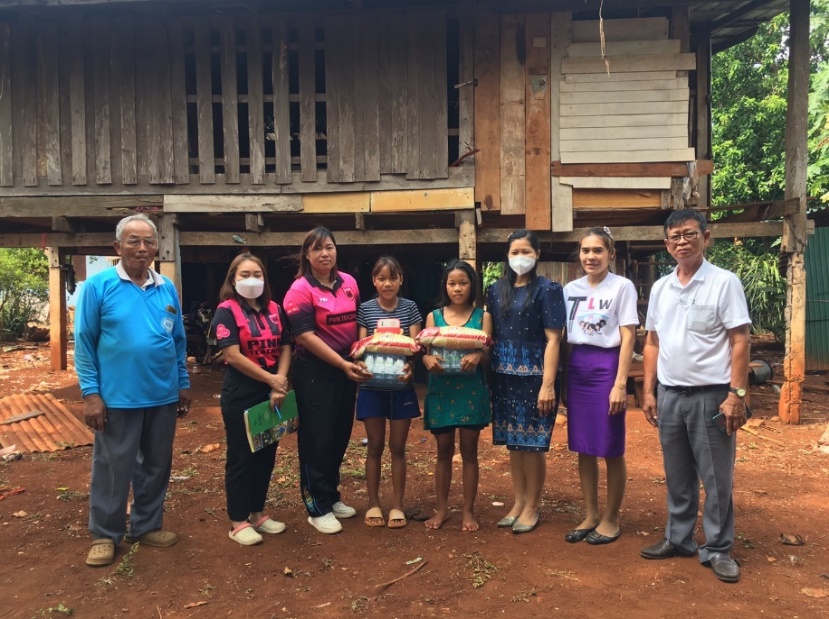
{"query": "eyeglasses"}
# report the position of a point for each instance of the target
(688, 236)
(148, 243)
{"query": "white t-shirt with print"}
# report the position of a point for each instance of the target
(594, 314)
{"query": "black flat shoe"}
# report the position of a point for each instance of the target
(597, 539)
(576, 535)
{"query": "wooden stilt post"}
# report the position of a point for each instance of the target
(169, 252)
(57, 309)
(794, 226)
(702, 135)
(468, 242)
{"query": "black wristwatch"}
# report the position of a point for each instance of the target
(738, 391)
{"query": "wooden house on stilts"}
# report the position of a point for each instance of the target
(426, 128)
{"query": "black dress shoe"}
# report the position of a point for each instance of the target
(597, 539)
(725, 568)
(576, 535)
(662, 550)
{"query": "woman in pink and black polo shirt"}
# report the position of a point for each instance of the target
(252, 333)
(321, 306)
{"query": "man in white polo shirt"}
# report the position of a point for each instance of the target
(698, 348)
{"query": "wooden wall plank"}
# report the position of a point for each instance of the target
(597, 133)
(6, 125)
(123, 72)
(100, 87)
(625, 64)
(204, 104)
(702, 111)
(615, 198)
(143, 83)
(603, 109)
(603, 182)
(512, 115)
(606, 86)
(160, 120)
(561, 33)
(358, 34)
(624, 48)
(306, 45)
(48, 93)
(231, 204)
(427, 124)
(466, 108)
(625, 96)
(344, 108)
(369, 95)
(230, 106)
(537, 144)
(488, 111)
(256, 103)
(340, 202)
(679, 154)
(178, 103)
(622, 29)
(614, 76)
(281, 110)
(632, 144)
(24, 101)
(624, 120)
(393, 93)
(333, 78)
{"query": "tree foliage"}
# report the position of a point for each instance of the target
(749, 87)
(24, 288)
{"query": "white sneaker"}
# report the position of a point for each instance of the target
(341, 510)
(327, 524)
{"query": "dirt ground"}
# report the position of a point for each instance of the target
(781, 488)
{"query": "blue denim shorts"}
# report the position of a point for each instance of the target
(397, 404)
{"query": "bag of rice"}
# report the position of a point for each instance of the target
(454, 338)
(385, 344)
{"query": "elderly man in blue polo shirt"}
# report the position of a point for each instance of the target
(130, 360)
(698, 348)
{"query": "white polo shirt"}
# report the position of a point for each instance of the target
(692, 322)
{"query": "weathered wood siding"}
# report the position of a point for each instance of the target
(199, 105)
(545, 93)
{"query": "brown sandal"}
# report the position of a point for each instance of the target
(102, 553)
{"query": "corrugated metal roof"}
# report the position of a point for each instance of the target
(57, 429)
(817, 301)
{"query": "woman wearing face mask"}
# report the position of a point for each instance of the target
(252, 333)
(528, 318)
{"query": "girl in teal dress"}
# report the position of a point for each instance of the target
(457, 401)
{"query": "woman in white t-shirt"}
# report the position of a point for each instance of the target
(601, 328)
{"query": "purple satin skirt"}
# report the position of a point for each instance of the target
(590, 378)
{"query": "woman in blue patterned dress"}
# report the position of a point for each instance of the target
(528, 316)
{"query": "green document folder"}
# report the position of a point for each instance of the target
(266, 426)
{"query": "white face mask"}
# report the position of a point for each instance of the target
(250, 288)
(521, 264)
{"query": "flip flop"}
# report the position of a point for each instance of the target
(102, 552)
(397, 519)
(373, 514)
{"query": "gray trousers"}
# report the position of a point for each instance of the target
(136, 446)
(694, 449)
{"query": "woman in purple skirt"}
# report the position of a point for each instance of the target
(601, 328)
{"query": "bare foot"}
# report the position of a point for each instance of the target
(587, 524)
(528, 518)
(436, 521)
(469, 522)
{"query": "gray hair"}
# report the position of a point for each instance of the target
(119, 229)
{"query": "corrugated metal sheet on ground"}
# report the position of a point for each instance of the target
(817, 301)
(57, 429)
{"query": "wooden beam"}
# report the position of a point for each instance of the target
(254, 222)
(513, 163)
(561, 195)
(418, 200)
(678, 168)
(641, 233)
(76, 206)
(487, 112)
(62, 224)
(169, 251)
(537, 187)
(231, 204)
(57, 309)
(702, 113)
(356, 202)
(389, 238)
(794, 226)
